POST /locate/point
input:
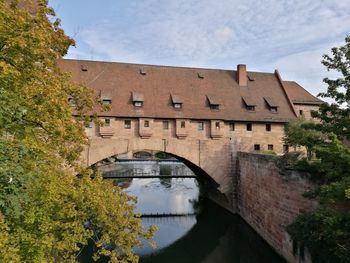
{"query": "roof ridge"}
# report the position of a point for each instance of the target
(159, 66)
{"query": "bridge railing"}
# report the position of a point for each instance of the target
(140, 173)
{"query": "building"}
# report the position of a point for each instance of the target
(247, 109)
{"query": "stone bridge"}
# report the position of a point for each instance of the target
(248, 184)
(211, 160)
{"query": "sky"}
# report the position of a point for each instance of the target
(288, 35)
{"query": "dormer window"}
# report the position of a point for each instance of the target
(177, 105)
(84, 68)
(250, 108)
(138, 103)
(176, 101)
(137, 99)
(106, 101)
(200, 75)
(143, 71)
(214, 103)
(249, 103)
(272, 105)
(106, 97)
(250, 78)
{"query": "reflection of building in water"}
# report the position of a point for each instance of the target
(164, 196)
(151, 168)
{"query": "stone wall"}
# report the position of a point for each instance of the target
(235, 132)
(269, 201)
(305, 110)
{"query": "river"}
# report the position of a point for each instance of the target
(191, 228)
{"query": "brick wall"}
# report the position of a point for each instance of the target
(269, 201)
(242, 139)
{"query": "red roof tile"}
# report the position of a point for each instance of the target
(299, 95)
(119, 80)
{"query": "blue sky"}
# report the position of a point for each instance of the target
(288, 35)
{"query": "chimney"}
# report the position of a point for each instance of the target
(242, 75)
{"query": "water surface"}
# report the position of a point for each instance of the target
(191, 228)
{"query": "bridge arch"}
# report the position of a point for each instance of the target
(211, 160)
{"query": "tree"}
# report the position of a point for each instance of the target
(335, 117)
(47, 213)
(298, 133)
(326, 231)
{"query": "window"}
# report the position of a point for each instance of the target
(249, 126)
(217, 125)
(183, 124)
(106, 101)
(214, 106)
(165, 125)
(285, 148)
(270, 147)
(250, 108)
(301, 113)
(177, 101)
(249, 103)
(84, 68)
(127, 124)
(177, 105)
(256, 147)
(271, 104)
(268, 127)
(138, 103)
(214, 102)
(273, 109)
(200, 126)
(107, 122)
(137, 99)
(232, 126)
(146, 124)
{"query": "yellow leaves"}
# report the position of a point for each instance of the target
(54, 212)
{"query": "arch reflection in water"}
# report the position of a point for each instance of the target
(209, 234)
(165, 196)
(217, 237)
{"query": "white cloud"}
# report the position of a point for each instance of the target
(291, 35)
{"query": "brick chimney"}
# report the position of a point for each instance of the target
(242, 75)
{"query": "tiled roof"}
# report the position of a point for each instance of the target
(120, 80)
(271, 102)
(299, 95)
(249, 100)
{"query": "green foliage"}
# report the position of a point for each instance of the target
(326, 231)
(298, 133)
(336, 116)
(47, 213)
